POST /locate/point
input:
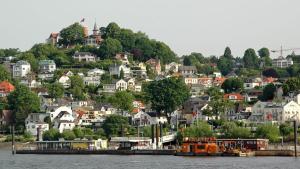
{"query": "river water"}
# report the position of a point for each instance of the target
(7, 161)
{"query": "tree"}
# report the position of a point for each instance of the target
(56, 90)
(109, 48)
(122, 100)
(72, 35)
(112, 31)
(225, 65)
(291, 85)
(268, 92)
(77, 87)
(264, 52)
(121, 74)
(268, 131)
(250, 59)
(114, 124)
(51, 135)
(23, 102)
(231, 130)
(232, 85)
(285, 129)
(78, 132)
(166, 95)
(68, 135)
(197, 130)
(227, 53)
(270, 73)
(4, 74)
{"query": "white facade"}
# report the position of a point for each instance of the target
(282, 62)
(275, 112)
(65, 81)
(54, 113)
(116, 70)
(173, 67)
(95, 72)
(84, 57)
(21, 69)
(121, 85)
(47, 66)
(35, 121)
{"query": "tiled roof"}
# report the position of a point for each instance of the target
(6, 87)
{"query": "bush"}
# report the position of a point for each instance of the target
(268, 131)
(51, 135)
(68, 135)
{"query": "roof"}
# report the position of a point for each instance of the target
(181, 68)
(5, 86)
(46, 62)
(238, 96)
(83, 53)
(22, 62)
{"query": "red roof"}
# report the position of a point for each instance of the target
(6, 87)
(233, 96)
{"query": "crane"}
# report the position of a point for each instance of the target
(281, 50)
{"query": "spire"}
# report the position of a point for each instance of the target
(95, 27)
(95, 30)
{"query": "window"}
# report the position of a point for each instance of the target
(201, 147)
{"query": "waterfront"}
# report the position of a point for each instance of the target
(7, 161)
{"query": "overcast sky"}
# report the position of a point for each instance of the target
(205, 26)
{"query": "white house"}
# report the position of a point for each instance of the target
(116, 70)
(21, 69)
(95, 72)
(58, 110)
(35, 121)
(149, 118)
(65, 81)
(121, 85)
(89, 80)
(275, 112)
(84, 57)
(47, 66)
(252, 83)
(282, 62)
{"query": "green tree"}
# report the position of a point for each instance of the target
(166, 95)
(72, 35)
(68, 135)
(109, 48)
(78, 132)
(114, 124)
(112, 31)
(286, 129)
(122, 100)
(291, 85)
(56, 90)
(264, 52)
(51, 135)
(268, 131)
(4, 74)
(250, 59)
(232, 85)
(269, 92)
(225, 65)
(23, 102)
(231, 130)
(227, 53)
(121, 74)
(197, 130)
(77, 87)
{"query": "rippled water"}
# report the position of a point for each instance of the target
(7, 161)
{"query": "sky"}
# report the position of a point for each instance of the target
(205, 26)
